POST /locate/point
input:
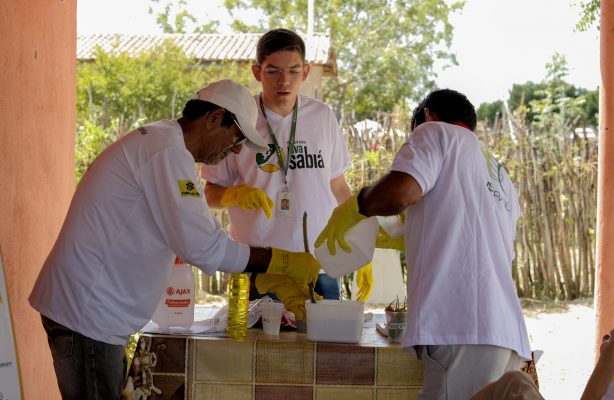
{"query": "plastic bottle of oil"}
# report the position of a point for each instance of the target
(176, 307)
(238, 304)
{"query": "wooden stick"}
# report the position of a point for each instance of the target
(306, 243)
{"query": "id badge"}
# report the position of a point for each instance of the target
(285, 204)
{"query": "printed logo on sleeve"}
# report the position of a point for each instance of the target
(187, 188)
(496, 172)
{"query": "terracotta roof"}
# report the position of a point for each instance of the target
(203, 47)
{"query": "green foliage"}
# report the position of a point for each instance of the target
(589, 15)
(174, 18)
(91, 140)
(153, 85)
(590, 114)
(490, 111)
(385, 49)
(368, 167)
(119, 92)
(560, 99)
(553, 95)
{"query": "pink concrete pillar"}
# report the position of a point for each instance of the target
(604, 286)
(37, 145)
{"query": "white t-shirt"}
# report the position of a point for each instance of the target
(459, 242)
(137, 206)
(320, 154)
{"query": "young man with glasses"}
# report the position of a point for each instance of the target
(138, 206)
(302, 168)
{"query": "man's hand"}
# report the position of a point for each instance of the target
(248, 198)
(302, 268)
(343, 218)
(384, 241)
(364, 281)
(601, 379)
(292, 295)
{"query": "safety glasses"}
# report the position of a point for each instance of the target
(240, 137)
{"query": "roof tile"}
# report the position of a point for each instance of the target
(203, 47)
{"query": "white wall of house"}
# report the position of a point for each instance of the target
(313, 84)
(387, 278)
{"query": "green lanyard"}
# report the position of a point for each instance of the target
(280, 154)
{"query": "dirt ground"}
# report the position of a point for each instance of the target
(566, 334)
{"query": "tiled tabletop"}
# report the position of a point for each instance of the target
(275, 368)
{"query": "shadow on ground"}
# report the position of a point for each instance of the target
(532, 308)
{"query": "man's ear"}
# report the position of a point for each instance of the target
(214, 118)
(257, 71)
(306, 70)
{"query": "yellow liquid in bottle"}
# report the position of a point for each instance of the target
(238, 303)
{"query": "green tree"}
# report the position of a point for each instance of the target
(489, 112)
(551, 95)
(119, 92)
(522, 94)
(173, 17)
(591, 107)
(385, 49)
(589, 15)
(560, 98)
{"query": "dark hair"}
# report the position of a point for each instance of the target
(449, 105)
(279, 40)
(195, 109)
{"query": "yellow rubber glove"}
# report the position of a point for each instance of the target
(248, 198)
(384, 241)
(302, 268)
(287, 291)
(343, 218)
(364, 281)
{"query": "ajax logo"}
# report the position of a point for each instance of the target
(179, 292)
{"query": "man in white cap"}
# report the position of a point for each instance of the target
(139, 206)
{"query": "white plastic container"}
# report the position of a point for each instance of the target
(176, 307)
(392, 224)
(338, 321)
(361, 238)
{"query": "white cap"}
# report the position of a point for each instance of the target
(236, 99)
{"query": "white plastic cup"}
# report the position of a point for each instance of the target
(361, 238)
(271, 317)
(396, 322)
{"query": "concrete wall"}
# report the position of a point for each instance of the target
(313, 84)
(37, 125)
(388, 281)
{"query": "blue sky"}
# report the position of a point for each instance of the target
(497, 42)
